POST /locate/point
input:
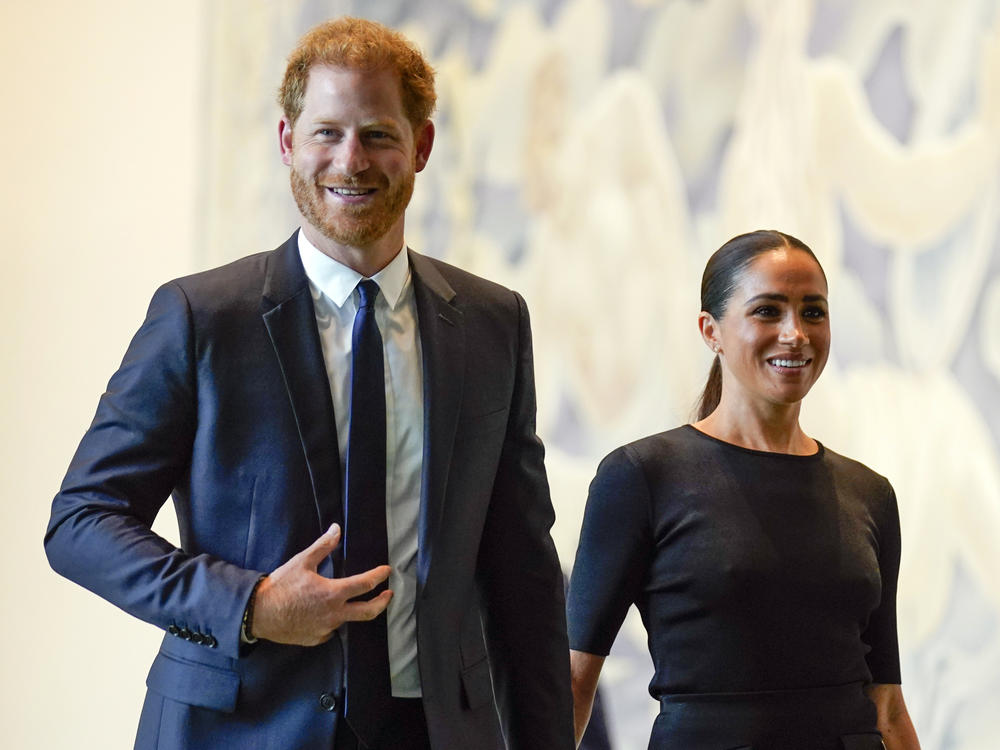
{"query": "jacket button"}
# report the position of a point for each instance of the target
(197, 638)
(210, 641)
(174, 630)
(328, 702)
(185, 634)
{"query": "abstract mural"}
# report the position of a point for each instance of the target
(593, 153)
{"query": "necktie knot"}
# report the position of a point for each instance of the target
(368, 290)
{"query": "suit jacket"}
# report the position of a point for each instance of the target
(223, 401)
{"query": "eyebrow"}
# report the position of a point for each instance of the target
(326, 122)
(784, 298)
(382, 124)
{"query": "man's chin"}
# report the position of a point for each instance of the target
(354, 235)
(357, 230)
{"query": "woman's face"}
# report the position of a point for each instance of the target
(774, 337)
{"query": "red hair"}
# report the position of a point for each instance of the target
(360, 44)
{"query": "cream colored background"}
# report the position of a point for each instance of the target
(139, 145)
(101, 143)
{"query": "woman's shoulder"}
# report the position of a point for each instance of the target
(640, 468)
(673, 441)
(653, 454)
(855, 473)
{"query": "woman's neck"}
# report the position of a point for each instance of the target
(774, 427)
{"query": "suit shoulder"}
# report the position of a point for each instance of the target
(234, 290)
(224, 280)
(464, 282)
(242, 283)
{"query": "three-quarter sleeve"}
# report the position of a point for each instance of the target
(880, 635)
(613, 556)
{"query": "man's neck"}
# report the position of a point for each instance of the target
(367, 260)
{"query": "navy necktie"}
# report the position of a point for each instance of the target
(365, 541)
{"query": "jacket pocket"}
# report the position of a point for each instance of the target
(477, 684)
(483, 424)
(193, 683)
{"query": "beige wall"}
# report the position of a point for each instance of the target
(98, 205)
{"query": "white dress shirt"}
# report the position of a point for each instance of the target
(336, 302)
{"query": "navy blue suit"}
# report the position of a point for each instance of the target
(223, 401)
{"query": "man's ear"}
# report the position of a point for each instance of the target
(285, 140)
(423, 141)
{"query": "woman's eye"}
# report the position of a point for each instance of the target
(814, 313)
(766, 311)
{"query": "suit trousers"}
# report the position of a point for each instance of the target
(405, 729)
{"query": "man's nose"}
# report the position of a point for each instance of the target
(351, 157)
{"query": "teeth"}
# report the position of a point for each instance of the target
(789, 362)
(349, 191)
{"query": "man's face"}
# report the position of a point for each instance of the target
(353, 155)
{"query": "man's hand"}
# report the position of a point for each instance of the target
(298, 606)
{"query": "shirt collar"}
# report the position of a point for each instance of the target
(338, 281)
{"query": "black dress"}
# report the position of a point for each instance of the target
(766, 583)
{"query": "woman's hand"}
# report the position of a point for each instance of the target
(585, 669)
(893, 718)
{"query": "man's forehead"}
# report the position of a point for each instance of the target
(365, 85)
(321, 69)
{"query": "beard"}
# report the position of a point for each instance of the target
(356, 226)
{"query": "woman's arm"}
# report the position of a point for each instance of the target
(612, 565)
(893, 718)
(585, 669)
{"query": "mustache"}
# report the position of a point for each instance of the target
(345, 181)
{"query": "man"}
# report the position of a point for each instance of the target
(331, 415)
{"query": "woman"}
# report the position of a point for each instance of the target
(763, 564)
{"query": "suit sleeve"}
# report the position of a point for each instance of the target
(522, 581)
(132, 457)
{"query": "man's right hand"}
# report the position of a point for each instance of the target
(298, 606)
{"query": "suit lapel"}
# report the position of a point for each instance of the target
(287, 309)
(442, 341)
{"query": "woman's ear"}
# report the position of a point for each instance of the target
(709, 328)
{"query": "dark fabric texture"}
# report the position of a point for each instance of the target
(812, 719)
(404, 728)
(752, 571)
(222, 401)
